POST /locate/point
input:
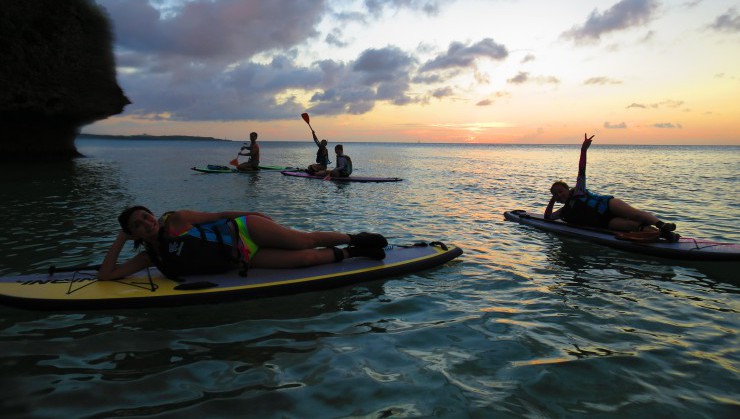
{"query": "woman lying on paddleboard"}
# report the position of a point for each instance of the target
(189, 242)
(604, 211)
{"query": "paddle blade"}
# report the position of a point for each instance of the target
(305, 117)
(234, 162)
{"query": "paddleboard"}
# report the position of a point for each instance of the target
(81, 290)
(686, 248)
(215, 168)
(342, 179)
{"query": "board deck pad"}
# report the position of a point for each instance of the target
(341, 179)
(81, 289)
(685, 248)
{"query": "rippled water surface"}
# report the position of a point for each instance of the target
(523, 324)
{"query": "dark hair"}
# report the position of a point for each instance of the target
(559, 183)
(126, 214)
(123, 221)
(338, 147)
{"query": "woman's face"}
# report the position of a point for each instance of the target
(561, 193)
(143, 225)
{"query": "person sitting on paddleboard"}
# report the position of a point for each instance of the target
(343, 167)
(187, 242)
(322, 156)
(603, 211)
(253, 153)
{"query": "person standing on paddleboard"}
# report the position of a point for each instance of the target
(187, 242)
(603, 211)
(253, 152)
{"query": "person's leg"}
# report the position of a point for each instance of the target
(269, 234)
(628, 218)
(622, 209)
(286, 259)
(624, 224)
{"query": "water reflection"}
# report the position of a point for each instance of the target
(56, 204)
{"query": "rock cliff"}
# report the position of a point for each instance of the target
(57, 74)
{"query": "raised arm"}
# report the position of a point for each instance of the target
(581, 181)
(315, 138)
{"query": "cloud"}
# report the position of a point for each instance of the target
(485, 102)
(727, 22)
(520, 78)
(623, 15)
(528, 58)
(377, 75)
(667, 125)
(204, 60)
(620, 125)
(673, 104)
(208, 30)
(442, 92)
(459, 55)
(430, 7)
(247, 91)
(524, 77)
(601, 81)
(334, 38)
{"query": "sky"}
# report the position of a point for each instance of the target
(448, 71)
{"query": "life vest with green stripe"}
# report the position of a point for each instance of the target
(204, 249)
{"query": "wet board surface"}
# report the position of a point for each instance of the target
(81, 289)
(685, 248)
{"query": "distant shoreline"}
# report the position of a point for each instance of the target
(146, 137)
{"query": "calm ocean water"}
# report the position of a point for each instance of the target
(523, 324)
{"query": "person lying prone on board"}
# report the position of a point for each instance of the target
(187, 242)
(580, 206)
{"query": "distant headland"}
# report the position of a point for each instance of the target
(145, 137)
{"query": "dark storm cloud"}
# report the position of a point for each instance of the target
(622, 15)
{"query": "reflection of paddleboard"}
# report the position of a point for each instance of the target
(80, 289)
(685, 248)
(343, 179)
(215, 168)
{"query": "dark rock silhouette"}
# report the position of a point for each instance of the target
(57, 74)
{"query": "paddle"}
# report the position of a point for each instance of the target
(307, 119)
(235, 162)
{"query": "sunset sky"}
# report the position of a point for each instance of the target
(488, 71)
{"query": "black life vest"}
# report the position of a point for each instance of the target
(204, 249)
(580, 210)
